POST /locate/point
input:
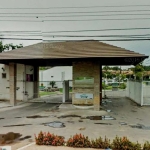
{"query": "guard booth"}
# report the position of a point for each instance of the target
(86, 58)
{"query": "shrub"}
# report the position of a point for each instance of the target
(78, 140)
(122, 86)
(58, 141)
(124, 144)
(100, 143)
(49, 139)
(103, 86)
(39, 138)
(146, 146)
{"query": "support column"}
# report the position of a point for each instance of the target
(36, 81)
(65, 91)
(100, 84)
(12, 83)
(96, 74)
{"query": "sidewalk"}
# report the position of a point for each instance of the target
(37, 147)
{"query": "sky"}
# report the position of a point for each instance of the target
(43, 17)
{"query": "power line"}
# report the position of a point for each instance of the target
(74, 12)
(35, 16)
(81, 7)
(49, 35)
(139, 39)
(22, 20)
(107, 29)
(99, 30)
(107, 19)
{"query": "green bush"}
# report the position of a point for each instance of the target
(146, 146)
(79, 140)
(100, 143)
(103, 86)
(124, 144)
(122, 86)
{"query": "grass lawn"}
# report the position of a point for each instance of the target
(42, 93)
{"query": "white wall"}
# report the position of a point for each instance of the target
(146, 94)
(57, 74)
(134, 91)
(29, 86)
(4, 83)
(22, 86)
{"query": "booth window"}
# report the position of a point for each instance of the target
(3, 75)
(29, 77)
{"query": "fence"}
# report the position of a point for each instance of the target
(139, 91)
(146, 92)
(135, 91)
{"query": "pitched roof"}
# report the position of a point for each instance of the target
(73, 49)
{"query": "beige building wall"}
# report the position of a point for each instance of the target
(86, 82)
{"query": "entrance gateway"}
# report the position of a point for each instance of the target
(86, 57)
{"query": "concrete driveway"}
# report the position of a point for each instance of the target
(130, 120)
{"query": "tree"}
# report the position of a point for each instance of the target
(106, 68)
(138, 71)
(115, 68)
(52, 83)
(8, 46)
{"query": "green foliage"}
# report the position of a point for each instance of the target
(124, 144)
(115, 68)
(103, 86)
(44, 68)
(100, 143)
(146, 146)
(146, 68)
(52, 83)
(79, 140)
(1, 47)
(122, 86)
(138, 71)
(9, 46)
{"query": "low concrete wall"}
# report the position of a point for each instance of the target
(114, 94)
(146, 94)
(135, 91)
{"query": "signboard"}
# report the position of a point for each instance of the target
(83, 96)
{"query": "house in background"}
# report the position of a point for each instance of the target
(57, 74)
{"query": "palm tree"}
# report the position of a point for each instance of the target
(52, 83)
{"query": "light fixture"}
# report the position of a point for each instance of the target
(3, 69)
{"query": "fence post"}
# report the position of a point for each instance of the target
(141, 93)
(64, 92)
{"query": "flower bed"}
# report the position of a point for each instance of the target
(80, 141)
